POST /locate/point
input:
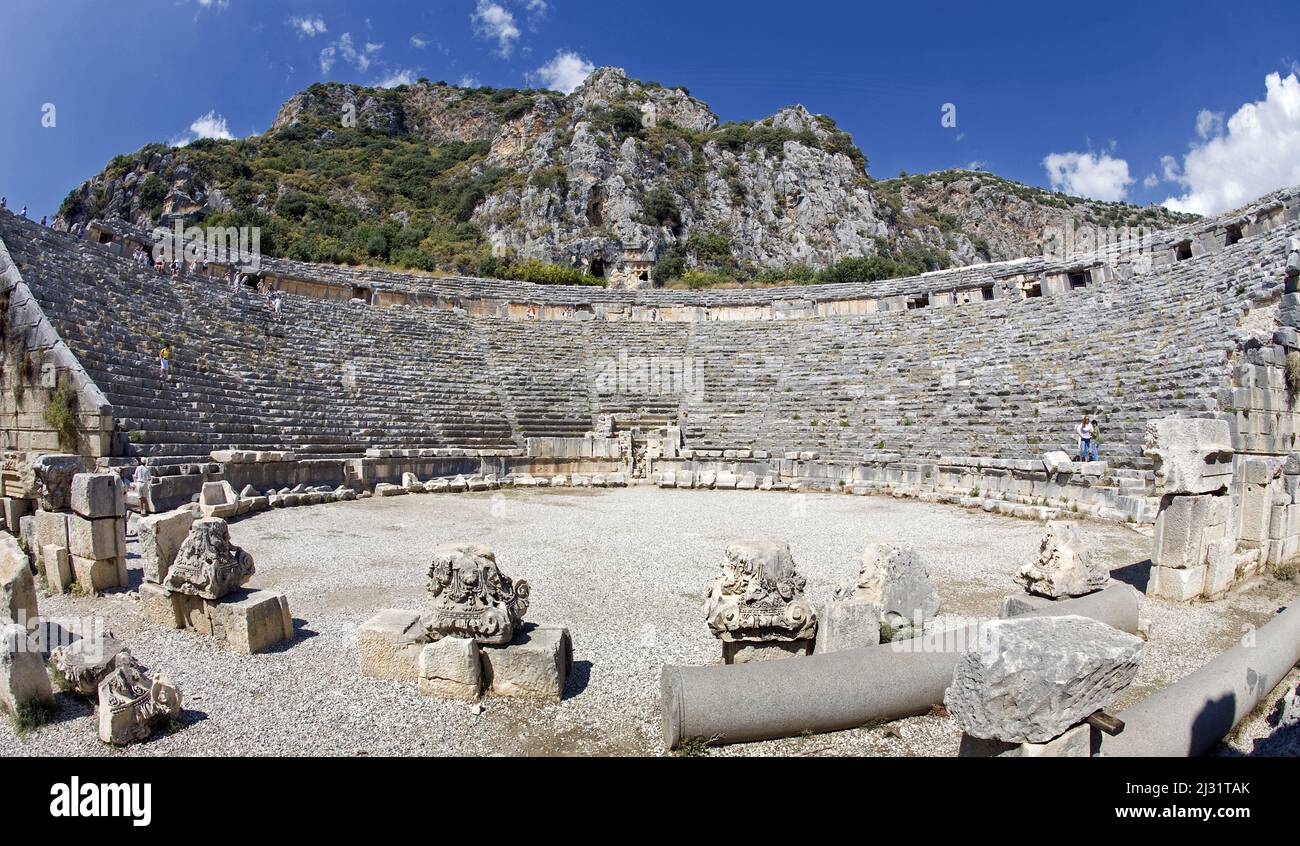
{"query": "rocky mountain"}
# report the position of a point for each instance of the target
(622, 179)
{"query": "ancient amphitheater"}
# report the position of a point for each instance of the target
(610, 450)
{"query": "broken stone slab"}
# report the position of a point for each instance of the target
(98, 495)
(1191, 455)
(747, 482)
(1064, 567)
(1057, 462)
(847, 624)
(389, 645)
(159, 537)
(23, 679)
(535, 664)
(208, 564)
(94, 576)
(1031, 679)
(450, 668)
(896, 579)
(158, 608)
(17, 587)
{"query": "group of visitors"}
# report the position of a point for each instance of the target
(1087, 432)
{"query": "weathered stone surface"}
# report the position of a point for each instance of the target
(81, 665)
(759, 595)
(48, 527)
(95, 539)
(94, 576)
(1058, 462)
(472, 597)
(1185, 528)
(847, 624)
(246, 622)
(750, 651)
(1031, 679)
(389, 645)
(1177, 584)
(208, 564)
(96, 495)
(131, 705)
(17, 587)
(23, 680)
(54, 479)
(1192, 455)
(452, 668)
(1075, 743)
(1064, 568)
(58, 567)
(160, 538)
(896, 579)
(534, 665)
(157, 606)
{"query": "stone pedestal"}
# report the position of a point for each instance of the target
(389, 645)
(1075, 743)
(245, 621)
(535, 664)
(451, 668)
(744, 652)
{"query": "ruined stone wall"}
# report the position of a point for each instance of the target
(48, 403)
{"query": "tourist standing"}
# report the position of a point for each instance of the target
(1085, 430)
(165, 362)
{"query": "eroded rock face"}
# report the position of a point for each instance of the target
(208, 564)
(759, 596)
(1031, 679)
(472, 598)
(1064, 567)
(132, 705)
(896, 579)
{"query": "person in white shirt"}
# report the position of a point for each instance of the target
(1087, 432)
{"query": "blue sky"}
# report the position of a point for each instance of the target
(1149, 101)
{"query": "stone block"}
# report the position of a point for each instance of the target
(389, 644)
(58, 567)
(747, 651)
(451, 668)
(14, 510)
(534, 665)
(847, 624)
(747, 482)
(1075, 743)
(17, 587)
(48, 528)
(1191, 455)
(725, 480)
(160, 538)
(54, 479)
(384, 489)
(159, 608)
(95, 539)
(685, 479)
(1185, 525)
(218, 499)
(1031, 679)
(96, 495)
(23, 679)
(1177, 584)
(97, 576)
(253, 621)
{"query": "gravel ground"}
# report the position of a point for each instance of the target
(625, 570)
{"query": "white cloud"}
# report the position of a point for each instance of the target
(308, 27)
(1096, 175)
(565, 72)
(419, 42)
(359, 57)
(1150, 181)
(1209, 123)
(1259, 153)
(1169, 168)
(495, 22)
(399, 77)
(468, 81)
(211, 125)
(214, 4)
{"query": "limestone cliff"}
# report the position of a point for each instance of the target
(622, 179)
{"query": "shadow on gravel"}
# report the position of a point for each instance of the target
(577, 681)
(1137, 575)
(300, 633)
